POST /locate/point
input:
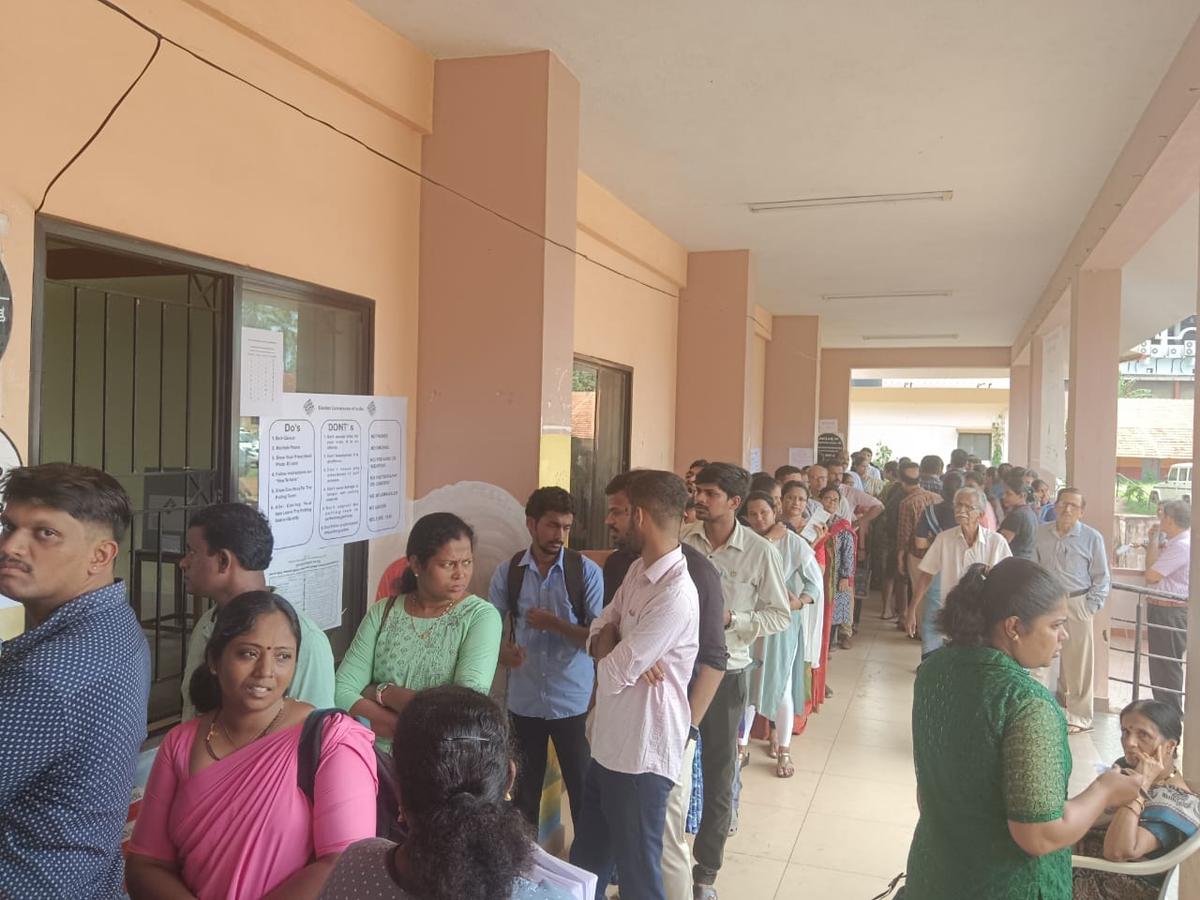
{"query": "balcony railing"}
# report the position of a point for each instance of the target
(1142, 626)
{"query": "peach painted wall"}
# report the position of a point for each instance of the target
(836, 366)
(756, 380)
(622, 321)
(792, 381)
(497, 301)
(197, 161)
(715, 332)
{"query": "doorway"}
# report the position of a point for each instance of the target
(601, 409)
(134, 380)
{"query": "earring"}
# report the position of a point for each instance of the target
(508, 796)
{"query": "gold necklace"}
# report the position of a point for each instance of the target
(217, 720)
(424, 635)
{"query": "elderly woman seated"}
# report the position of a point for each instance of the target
(1165, 815)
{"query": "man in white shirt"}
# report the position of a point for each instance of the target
(645, 643)
(756, 604)
(953, 552)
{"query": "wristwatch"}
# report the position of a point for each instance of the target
(379, 689)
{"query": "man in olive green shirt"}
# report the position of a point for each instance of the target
(229, 547)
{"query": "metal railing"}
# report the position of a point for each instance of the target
(1141, 625)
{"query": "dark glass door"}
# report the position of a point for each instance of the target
(601, 401)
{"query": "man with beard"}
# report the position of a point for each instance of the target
(756, 604)
(550, 594)
(706, 676)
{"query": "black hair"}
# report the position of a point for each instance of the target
(983, 597)
(958, 456)
(429, 534)
(794, 486)
(1014, 484)
(932, 465)
(829, 488)
(83, 493)
(783, 472)
(698, 464)
(452, 753)
(620, 483)
(733, 481)
(663, 495)
(758, 495)
(549, 499)
(909, 479)
(763, 482)
(891, 466)
(233, 620)
(1072, 490)
(237, 528)
(857, 459)
(1166, 718)
(1038, 484)
(952, 483)
(1179, 512)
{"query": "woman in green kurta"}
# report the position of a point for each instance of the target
(432, 633)
(990, 746)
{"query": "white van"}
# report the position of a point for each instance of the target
(1178, 485)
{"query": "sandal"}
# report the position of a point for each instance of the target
(743, 759)
(783, 765)
(773, 745)
(1073, 730)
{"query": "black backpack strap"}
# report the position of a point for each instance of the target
(308, 754)
(576, 593)
(516, 578)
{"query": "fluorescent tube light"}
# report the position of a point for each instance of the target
(910, 337)
(888, 295)
(807, 202)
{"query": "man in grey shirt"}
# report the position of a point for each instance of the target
(1076, 554)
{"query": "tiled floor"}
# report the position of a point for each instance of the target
(841, 827)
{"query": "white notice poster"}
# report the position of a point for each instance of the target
(800, 457)
(755, 459)
(262, 371)
(310, 578)
(332, 468)
(827, 426)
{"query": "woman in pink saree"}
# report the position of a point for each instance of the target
(223, 815)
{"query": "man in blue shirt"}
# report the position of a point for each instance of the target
(73, 689)
(550, 595)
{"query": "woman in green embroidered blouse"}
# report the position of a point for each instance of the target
(990, 746)
(432, 633)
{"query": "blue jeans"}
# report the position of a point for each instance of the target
(622, 824)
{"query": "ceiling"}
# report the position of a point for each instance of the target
(1158, 285)
(692, 109)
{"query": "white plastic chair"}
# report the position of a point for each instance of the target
(1168, 863)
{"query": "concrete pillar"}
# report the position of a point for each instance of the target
(496, 321)
(1019, 384)
(1036, 388)
(792, 383)
(833, 391)
(1092, 418)
(1189, 888)
(715, 331)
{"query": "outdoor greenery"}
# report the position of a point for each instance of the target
(1126, 389)
(583, 380)
(998, 440)
(1134, 496)
(883, 453)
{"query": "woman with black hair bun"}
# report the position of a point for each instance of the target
(990, 747)
(466, 841)
(224, 816)
(434, 632)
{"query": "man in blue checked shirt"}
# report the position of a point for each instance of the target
(549, 595)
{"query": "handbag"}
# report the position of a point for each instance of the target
(387, 798)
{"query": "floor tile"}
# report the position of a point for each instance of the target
(876, 763)
(746, 877)
(876, 733)
(858, 797)
(852, 845)
(761, 786)
(887, 709)
(766, 831)
(801, 882)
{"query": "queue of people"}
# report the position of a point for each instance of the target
(714, 619)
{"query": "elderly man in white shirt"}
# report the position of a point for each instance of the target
(953, 552)
(645, 642)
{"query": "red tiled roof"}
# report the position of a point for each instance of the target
(1154, 429)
